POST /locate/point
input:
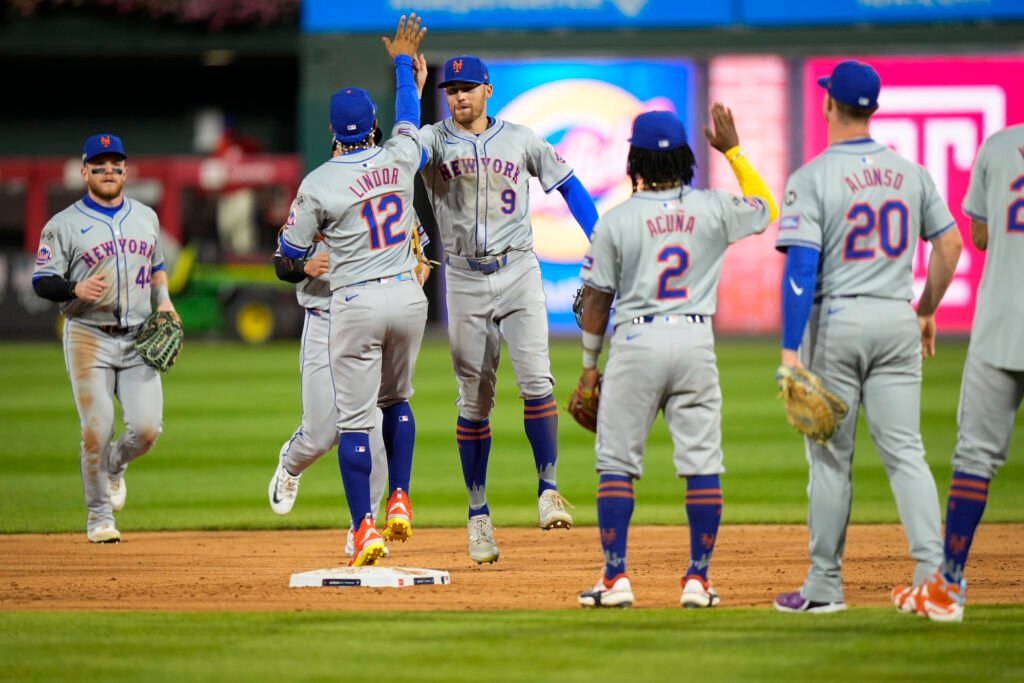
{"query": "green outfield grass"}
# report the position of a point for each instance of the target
(567, 646)
(228, 409)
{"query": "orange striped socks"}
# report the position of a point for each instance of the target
(704, 512)
(614, 510)
(540, 418)
(968, 495)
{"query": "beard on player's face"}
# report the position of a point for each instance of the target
(468, 104)
(106, 186)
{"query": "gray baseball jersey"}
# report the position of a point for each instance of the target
(80, 242)
(996, 196)
(362, 204)
(862, 206)
(662, 251)
(98, 337)
(479, 184)
(993, 378)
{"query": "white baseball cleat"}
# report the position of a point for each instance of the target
(481, 540)
(618, 593)
(551, 512)
(118, 492)
(283, 489)
(698, 593)
(104, 533)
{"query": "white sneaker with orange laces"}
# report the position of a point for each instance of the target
(936, 599)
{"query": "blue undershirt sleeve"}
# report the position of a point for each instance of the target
(580, 204)
(407, 99)
(798, 282)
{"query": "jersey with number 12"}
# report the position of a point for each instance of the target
(863, 207)
(362, 204)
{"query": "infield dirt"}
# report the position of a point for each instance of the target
(249, 571)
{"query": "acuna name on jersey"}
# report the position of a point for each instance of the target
(107, 249)
(669, 223)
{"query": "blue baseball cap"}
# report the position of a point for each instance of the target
(853, 83)
(352, 115)
(659, 131)
(465, 69)
(104, 143)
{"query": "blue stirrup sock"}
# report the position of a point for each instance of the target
(399, 429)
(968, 495)
(474, 439)
(704, 512)
(540, 417)
(614, 510)
(354, 462)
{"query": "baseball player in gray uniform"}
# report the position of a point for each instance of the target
(477, 175)
(318, 433)
(101, 259)
(661, 253)
(993, 381)
(849, 225)
(361, 202)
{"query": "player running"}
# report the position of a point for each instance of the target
(849, 228)
(477, 176)
(101, 259)
(993, 381)
(661, 253)
(362, 204)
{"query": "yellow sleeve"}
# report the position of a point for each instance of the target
(751, 183)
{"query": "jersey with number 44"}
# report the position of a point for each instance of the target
(362, 204)
(79, 242)
(863, 207)
(662, 251)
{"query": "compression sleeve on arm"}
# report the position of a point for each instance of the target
(288, 270)
(751, 182)
(580, 204)
(54, 288)
(407, 99)
(798, 281)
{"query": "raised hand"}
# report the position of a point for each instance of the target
(723, 136)
(419, 68)
(407, 39)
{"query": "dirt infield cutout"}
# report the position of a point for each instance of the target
(242, 571)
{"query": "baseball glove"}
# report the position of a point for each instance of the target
(583, 405)
(812, 409)
(577, 307)
(159, 341)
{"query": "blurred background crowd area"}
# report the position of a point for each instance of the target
(222, 106)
